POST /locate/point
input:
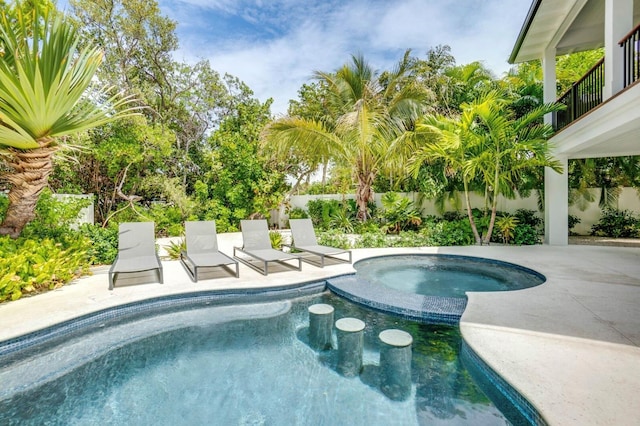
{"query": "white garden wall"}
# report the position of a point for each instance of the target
(86, 215)
(629, 200)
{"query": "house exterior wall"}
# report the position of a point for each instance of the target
(608, 130)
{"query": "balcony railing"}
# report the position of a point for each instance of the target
(586, 93)
(582, 97)
(630, 44)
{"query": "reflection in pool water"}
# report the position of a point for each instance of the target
(239, 365)
(445, 275)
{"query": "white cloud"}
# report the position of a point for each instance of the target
(308, 36)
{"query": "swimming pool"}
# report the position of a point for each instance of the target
(445, 275)
(213, 360)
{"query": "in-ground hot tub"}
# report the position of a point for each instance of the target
(445, 275)
(429, 287)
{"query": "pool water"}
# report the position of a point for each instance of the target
(445, 276)
(239, 365)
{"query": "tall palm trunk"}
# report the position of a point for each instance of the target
(31, 170)
(472, 222)
(364, 194)
(494, 202)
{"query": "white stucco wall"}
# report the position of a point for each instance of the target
(629, 200)
(86, 215)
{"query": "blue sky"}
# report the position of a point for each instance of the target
(275, 45)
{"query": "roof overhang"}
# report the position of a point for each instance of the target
(569, 25)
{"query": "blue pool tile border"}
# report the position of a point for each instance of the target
(465, 257)
(502, 394)
(148, 306)
(430, 309)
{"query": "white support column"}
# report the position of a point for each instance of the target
(618, 21)
(556, 186)
(549, 78)
(556, 205)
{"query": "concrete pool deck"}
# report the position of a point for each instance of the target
(571, 346)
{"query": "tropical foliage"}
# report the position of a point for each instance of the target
(370, 111)
(45, 73)
(485, 144)
(197, 145)
(617, 224)
(35, 265)
(398, 213)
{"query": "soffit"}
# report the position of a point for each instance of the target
(570, 25)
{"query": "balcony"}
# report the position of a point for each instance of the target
(586, 93)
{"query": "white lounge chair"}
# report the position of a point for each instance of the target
(136, 251)
(304, 239)
(202, 250)
(257, 245)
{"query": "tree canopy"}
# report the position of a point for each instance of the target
(203, 146)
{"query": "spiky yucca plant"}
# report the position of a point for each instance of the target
(45, 70)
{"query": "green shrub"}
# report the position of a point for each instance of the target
(364, 227)
(276, 239)
(318, 188)
(453, 216)
(528, 217)
(482, 220)
(167, 218)
(298, 213)
(334, 239)
(376, 239)
(617, 224)
(4, 204)
(506, 226)
(398, 213)
(175, 247)
(321, 212)
(54, 218)
(525, 235)
(573, 221)
(411, 239)
(31, 266)
(443, 233)
(341, 221)
(104, 243)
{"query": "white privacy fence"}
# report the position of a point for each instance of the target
(628, 200)
(86, 215)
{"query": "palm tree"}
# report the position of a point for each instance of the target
(486, 142)
(370, 113)
(451, 139)
(510, 146)
(44, 74)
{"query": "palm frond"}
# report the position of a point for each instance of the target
(44, 81)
